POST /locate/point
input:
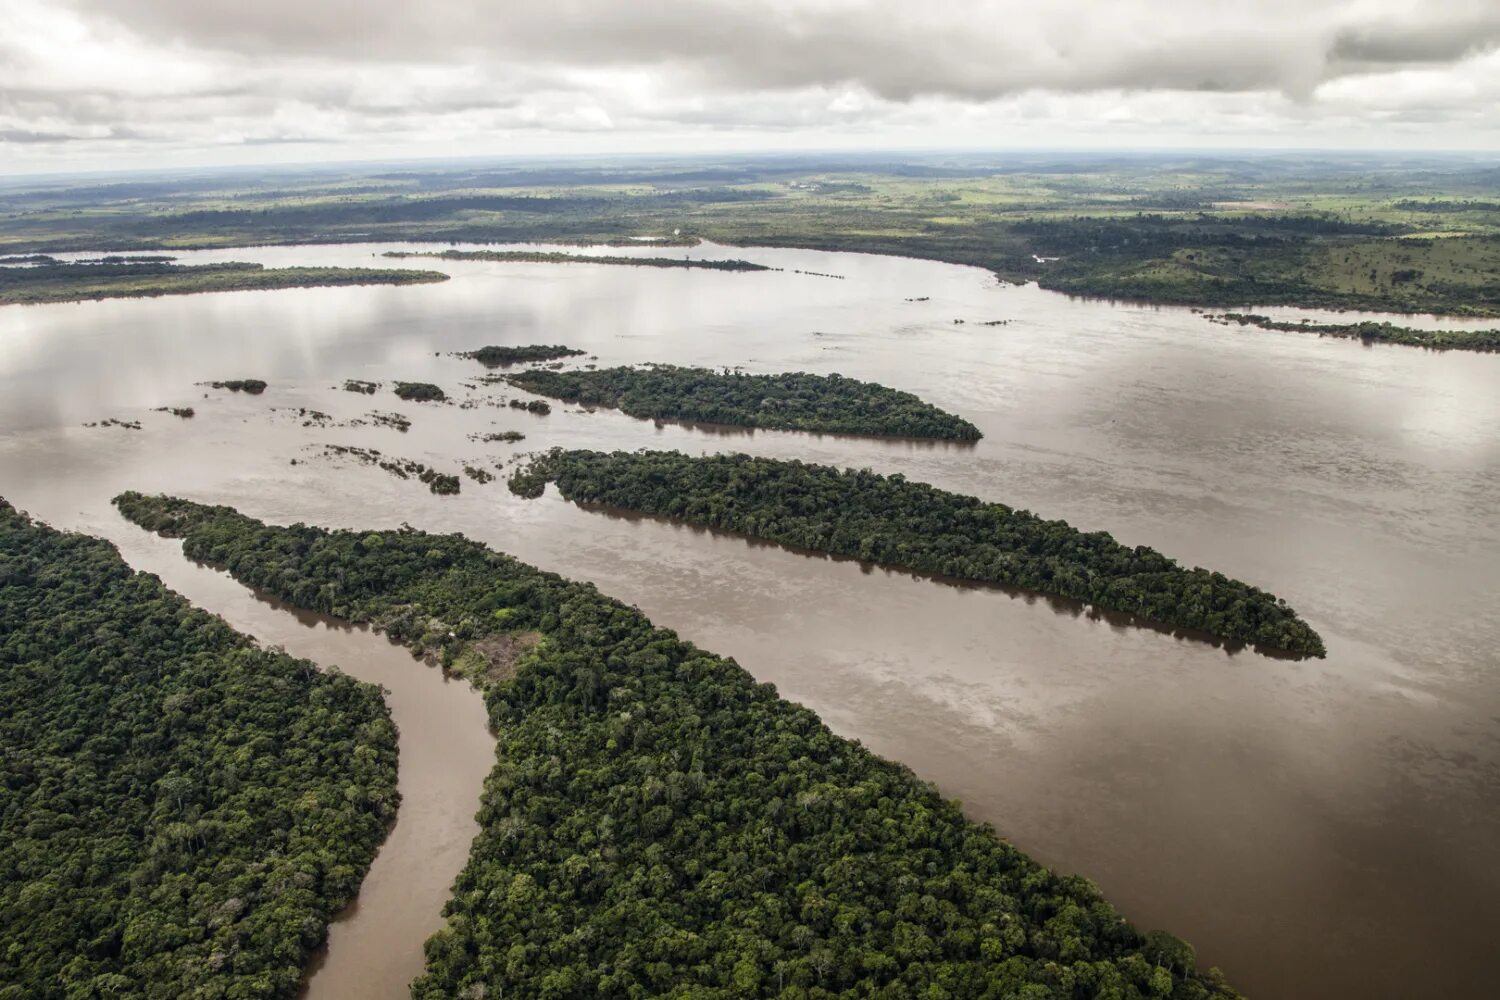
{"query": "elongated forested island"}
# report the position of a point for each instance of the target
(77, 282)
(181, 812)
(793, 401)
(498, 357)
(894, 522)
(557, 257)
(1372, 332)
(658, 824)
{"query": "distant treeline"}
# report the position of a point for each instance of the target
(181, 812)
(377, 211)
(794, 401)
(888, 520)
(660, 825)
(1435, 206)
(100, 280)
(557, 257)
(1375, 332)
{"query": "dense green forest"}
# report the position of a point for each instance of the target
(888, 520)
(1375, 333)
(498, 357)
(181, 812)
(555, 257)
(793, 401)
(80, 281)
(659, 824)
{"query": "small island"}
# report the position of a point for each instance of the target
(499, 357)
(1372, 332)
(905, 525)
(253, 386)
(117, 278)
(421, 392)
(794, 401)
(557, 257)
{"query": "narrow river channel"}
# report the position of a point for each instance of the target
(374, 947)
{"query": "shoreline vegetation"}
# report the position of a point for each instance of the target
(904, 525)
(558, 257)
(44, 283)
(659, 824)
(501, 357)
(181, 811)
(792, 401)
(1372, 332)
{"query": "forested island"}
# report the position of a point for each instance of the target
(499, 357)
(793, 401)
(1374, 333)
(894, 522)
(659, 824)
(181, 812)
(557, 257)
(252, 386)
(420, 392)
(77, 282)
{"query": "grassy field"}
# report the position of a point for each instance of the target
(1360, 232)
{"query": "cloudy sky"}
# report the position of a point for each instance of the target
(90, 84)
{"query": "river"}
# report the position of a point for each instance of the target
(1318, 829)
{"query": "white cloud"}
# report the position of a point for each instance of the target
(141, 82)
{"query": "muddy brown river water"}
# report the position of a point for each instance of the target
(1318, 829)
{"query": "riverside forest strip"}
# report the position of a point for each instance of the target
(556, 257)
(1374, 333)
(181, 812)
(659, 824)
(793, 401)
(893, 522)
(80, 282)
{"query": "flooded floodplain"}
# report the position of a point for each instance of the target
(1318, 829)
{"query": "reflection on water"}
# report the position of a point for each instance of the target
(1319, 829)
(1059, 605)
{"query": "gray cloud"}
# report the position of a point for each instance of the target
(973, 49)
(195, 74)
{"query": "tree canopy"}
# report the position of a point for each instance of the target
(181, 812)
(894, 522)
(793, 401)
(659, 824)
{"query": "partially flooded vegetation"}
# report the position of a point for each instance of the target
(441, 483)
(1373, 332)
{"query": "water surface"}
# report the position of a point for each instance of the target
(1318, 829)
